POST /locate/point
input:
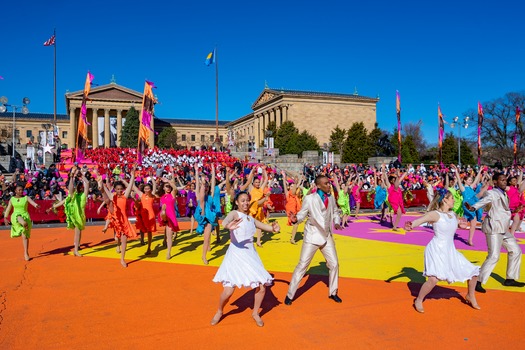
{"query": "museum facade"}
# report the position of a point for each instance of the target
(316, 112)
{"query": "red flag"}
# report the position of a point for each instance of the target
(518, 114)
(398, 110)
(82, 133)
(441, 131)
(50, 41)
(146, 119)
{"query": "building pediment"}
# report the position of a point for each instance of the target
(110, 92)
(264, 97)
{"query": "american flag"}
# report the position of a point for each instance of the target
(51, 41)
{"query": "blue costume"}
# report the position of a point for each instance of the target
(469, 196)
(212, 211)
(380, 197)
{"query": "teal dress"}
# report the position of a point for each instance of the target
(212, 211)
(75, 208)
(20, 209)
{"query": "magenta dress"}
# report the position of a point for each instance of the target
(356, 193)
(171, 216)
(395, 198)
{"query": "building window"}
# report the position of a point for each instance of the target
(192, 137)
(221, 138)
(212, 138)
(183, 137)
(64, 134)
(203, 138)
(29, 133)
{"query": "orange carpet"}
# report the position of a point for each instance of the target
(57, 301)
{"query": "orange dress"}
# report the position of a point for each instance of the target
(256, 211)
(147, 214)
(293, 205)
(119, 219)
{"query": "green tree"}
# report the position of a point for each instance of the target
(130, 132)
(409, 153)
(337, 140)
(467, 157)
(373, 140)
(356, 149)
(307, 142)
(286, 136)
(450, 149)
(168, 138)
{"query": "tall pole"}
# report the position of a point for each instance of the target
(55, 83)
(217, 139)
(14, 128)
(459, 146)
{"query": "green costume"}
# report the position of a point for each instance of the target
(344, 202)
(458, 200)
(75, 208)
(20, 209)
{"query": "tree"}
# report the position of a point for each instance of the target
(356, 149)
(337, 140)
(414, 130)
(450, 149)
(167, 138)
(373, 142)
(499, 125)
(467, 157)
(285, 136)
(409, 153)
(307, 142)
(130, 132)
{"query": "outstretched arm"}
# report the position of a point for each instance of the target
(431, 216)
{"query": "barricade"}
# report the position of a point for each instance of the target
(39, 216)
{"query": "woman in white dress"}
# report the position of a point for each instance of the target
(442, 261)
(242, 266)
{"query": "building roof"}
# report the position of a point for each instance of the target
(269, 95)
(175, 121)
(33, 116)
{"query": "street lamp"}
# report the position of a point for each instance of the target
(459, 124)
(23, 108)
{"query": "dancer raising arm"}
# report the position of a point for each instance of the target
(20, 220)
(167, 213)
(242, 266)
(395, 196)
(147, 214)
(442, 261)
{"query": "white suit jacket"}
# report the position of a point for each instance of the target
(318, 227)
(498, 216)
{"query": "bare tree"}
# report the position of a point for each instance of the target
(414, 130)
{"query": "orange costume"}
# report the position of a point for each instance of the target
(293, 205)
(119, 218)
(256, 211)
(147, 214)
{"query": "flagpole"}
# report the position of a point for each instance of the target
(217, 139)
(55, 83)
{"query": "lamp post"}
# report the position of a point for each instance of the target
(23, 108)
(459, 124)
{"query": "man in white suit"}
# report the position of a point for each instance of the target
(322, 212)
(496, 227)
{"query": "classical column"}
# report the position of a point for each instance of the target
(274, 111)
(94, 128)
(258, 131)
(279, 117)
(119, 126)
(72, 128)
(107, 131)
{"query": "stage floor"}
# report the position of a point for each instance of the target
(60, 301)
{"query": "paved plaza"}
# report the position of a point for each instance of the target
(58, 301)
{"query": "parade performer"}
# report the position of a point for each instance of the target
(442, 261)
(21, 223)
(242, 266)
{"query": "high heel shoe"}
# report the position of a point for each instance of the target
(418, 305)
(468, 302)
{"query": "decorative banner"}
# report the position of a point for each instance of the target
(146, 118)
(480, 123)
(441, 131)
(518, 113)
(82, 135)
(398, 110)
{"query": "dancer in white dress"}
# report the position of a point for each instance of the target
(242, 266)
(442, 261)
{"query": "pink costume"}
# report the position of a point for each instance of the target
(395, 198)
(171, 217)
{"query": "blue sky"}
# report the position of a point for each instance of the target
(449, 52)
